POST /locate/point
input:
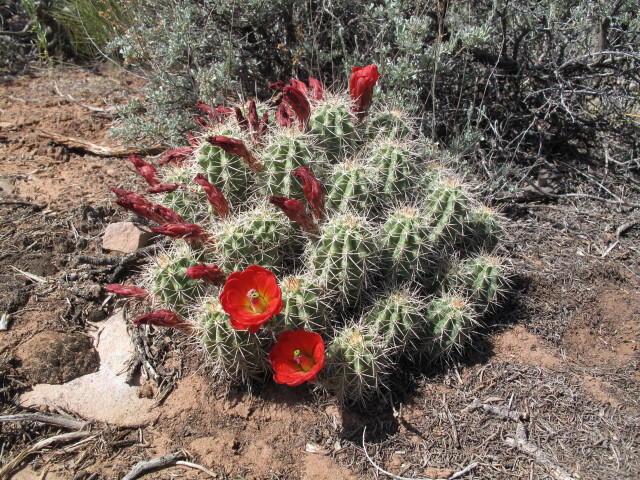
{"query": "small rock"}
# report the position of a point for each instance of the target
(6, 186)
(125, 237)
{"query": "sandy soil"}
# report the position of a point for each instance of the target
(563, 350)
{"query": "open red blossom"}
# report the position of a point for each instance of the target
(129, 291)
(185, 231)
(145, 170)
(283, 116)
(235, 147)
(295, 210)
(214, 195)
(251, 298)
(318, 88)
(298, 102)
(163, 318)
(312, 191)
(165, 188)
(361, 86)
(177, 156)
(297, 357)
(209, 273)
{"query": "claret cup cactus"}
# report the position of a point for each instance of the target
(315, 240)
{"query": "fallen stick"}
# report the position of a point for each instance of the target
(11, 466)
(153, 464)
(100, 150)
(48, 419)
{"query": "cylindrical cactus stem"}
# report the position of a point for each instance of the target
(398, 316)
(353, 185)
(188, 202)
(281, 157)
(482, 229)
(481, 278)
(344, 255)
(397, 171)
(234, 354)
(391, 124)
(304, 306)
(450, 320)
(407, 251)
(261, 236)
(333, 124)
(359, 363)
(225, 170)
(167, 278)
(446, 207)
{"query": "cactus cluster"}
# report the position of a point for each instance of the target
(376, 247)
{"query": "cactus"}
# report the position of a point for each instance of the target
(377, 247)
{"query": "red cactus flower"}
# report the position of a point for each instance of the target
(283, 115)
(361, 88)
(295, 210)
(163, 318)
(167, 215)
(177, 156)
(209, 273)
(193, 140)
(207, 109)
(298, 102)
(141, 207)
(235, 147)
(312, 191)
(214, 195)
(263, 126)
(300, 85)
(129, 291)
(165, 188)
(201, 121)
(185, 231)
(318, 88)
(145, 170)
(297, 357)
(242, 121)
(251, 298)
(254, 121)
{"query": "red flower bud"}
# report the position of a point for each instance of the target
(186, 231)
(214, 195)
(167, 215)
(243, 122)
(129, 291)
(140, 206)
(163, 318)
(177, 156)
(263, 126)
(254, 121)
(235, 147)
(298, 102)
(277, 86)
(361, 88)
(164, 188)
(312, 189)
(209, 273)
(193, 140)
(318, 88)
(296, 212)
(283, 115)
(145, 170)
(201, 121)
(300, 85)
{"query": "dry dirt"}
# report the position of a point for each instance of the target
(562, 351)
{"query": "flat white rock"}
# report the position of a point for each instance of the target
(102, 396)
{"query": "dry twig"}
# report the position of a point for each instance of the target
(48, 419)
(153, 464)
(100, 150)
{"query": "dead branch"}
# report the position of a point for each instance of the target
(48, 419)
(100, 150)
(11, 466)
(153, 464)
(521, 442)
(197, 467)
(459, 474)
